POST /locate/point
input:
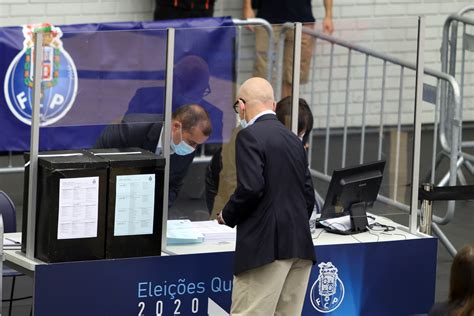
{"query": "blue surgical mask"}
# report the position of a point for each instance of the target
(183, 148)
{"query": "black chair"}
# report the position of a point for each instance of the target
(7, 210)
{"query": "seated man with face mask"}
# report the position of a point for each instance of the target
(190, 127)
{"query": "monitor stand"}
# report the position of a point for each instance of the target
(359, 221)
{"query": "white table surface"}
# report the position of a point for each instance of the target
(320, 237)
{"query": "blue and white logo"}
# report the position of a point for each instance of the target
(59, 82)
(327, 292)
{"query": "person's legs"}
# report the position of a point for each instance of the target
(256, 292)
(294, 289)
(260, 68)
(261, 48)
(307, 44)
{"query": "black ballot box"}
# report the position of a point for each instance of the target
(134, 203)
(70, 206)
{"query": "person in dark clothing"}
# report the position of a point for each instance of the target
(278, 12)
(271, 207)
(190, 127)
(183, 9)
(461, 286)
(222, 165)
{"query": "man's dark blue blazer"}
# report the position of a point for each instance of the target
(143, 131)
(274, 198)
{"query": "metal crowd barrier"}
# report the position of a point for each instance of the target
(202, 156)
(449, 48)
(431, 94)
(10, 168)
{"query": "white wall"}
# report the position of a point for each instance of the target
(387, 26)
(18, 12)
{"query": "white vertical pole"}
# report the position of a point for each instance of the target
(295, 94)
(167, 128)
(417, 132)
(34, 144)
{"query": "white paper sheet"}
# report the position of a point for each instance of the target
(214, 231)
(78, 207)
(134, 205)
(181, 231)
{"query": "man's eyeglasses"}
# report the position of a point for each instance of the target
(236, 105)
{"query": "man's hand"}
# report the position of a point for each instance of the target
(328, 26)
(247, 11)
(220, 219)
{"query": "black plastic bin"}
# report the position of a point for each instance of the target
(134, 203)
(82, 180)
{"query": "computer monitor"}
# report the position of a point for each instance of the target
(351, 191)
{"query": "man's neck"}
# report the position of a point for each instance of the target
(262, 113)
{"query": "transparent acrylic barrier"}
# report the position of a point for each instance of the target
(90, 80)
(122, 97)
(121, 73)
(369, 93)
(101, 91)
(361, 91)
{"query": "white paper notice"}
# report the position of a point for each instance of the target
(134, 205)
(78, 207)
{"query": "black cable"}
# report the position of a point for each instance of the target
(322, 230)
(385, 228)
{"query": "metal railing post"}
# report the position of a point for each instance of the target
(415, 175)
(426, 211)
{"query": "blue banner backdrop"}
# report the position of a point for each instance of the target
(384, 278)
(95, 73)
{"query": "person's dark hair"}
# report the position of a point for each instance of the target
(305, 116)
(461, 287)
(193, 115)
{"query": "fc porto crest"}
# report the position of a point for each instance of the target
(59, 82)
(327, 292)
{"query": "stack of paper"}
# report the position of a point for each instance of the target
(214, 231)
(182, 232)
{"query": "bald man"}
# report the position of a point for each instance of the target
(271, 207)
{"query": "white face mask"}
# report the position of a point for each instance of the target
(243, 122)
(182, 148)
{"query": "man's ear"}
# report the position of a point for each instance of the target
(241, 106)
(175, 125)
